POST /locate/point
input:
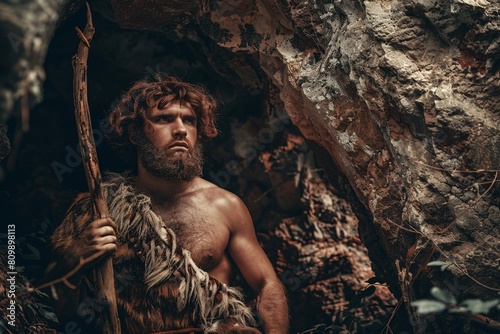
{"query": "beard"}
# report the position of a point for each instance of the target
(176, 166)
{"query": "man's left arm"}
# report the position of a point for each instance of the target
(257, 269)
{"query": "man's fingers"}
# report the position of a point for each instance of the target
(105, 230)
(104, 222)
(109, 247)
(100, 235)
(110, 239)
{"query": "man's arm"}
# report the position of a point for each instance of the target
(256, 268)
(78, 237)
(98, 236)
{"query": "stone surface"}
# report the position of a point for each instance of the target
(307, 229)
(405, 98)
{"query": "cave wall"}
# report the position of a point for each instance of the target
(305, 225)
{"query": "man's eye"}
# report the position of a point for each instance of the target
(165, 118)
(190, 120)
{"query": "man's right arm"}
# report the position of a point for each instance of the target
(74, 248)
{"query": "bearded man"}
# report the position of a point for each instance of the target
(175, 237)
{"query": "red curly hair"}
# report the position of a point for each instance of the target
(145, 94)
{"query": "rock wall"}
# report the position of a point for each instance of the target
(404, 96)
(305, 225)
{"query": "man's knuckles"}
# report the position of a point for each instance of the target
(108, 248)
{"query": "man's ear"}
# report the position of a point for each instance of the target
(133, 133)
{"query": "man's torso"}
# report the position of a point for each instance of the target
(200, 227)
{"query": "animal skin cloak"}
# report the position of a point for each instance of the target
(161, 289)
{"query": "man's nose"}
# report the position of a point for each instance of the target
(179, 129)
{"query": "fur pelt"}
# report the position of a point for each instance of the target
(162, 288)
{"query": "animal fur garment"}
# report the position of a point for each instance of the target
(162, 288)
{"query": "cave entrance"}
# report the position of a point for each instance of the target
(302, 219)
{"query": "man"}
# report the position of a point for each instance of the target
(175, 238)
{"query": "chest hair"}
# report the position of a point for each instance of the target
(196, 232)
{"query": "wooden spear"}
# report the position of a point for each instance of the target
(104, 273)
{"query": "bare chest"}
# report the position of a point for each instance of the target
(198, 230)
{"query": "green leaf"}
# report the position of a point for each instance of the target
(479, 306)
(426, 306)
(41, 294)
(458, 309)
(39, 238)
(30, 311)
(441, 264)
(47, 312)
(44, 226)
(34, 251)
(436, 263)
(443, 295)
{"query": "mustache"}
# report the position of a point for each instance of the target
(181, 166)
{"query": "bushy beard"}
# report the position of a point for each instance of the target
(179, 166)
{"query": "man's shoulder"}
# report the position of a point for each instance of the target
(218, 196)
(212, 188)
(227, 205)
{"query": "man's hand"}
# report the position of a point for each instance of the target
(100, 235)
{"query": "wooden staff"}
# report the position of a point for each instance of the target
(104, 273)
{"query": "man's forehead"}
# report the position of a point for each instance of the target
(173, 106)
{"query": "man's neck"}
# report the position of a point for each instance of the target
(159, 188)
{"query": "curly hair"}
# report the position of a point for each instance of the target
(159, 89)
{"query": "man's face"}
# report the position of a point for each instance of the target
(167, 146)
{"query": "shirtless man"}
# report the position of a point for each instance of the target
(167, 121)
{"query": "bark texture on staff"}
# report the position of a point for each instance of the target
(105, 277)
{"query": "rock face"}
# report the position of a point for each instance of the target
(405, 98)
(306, 227)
